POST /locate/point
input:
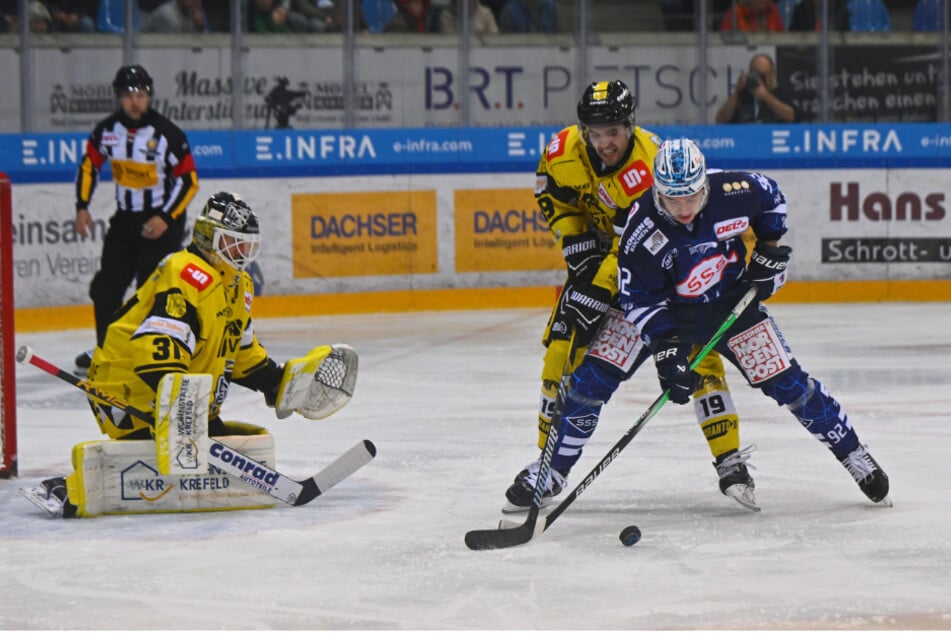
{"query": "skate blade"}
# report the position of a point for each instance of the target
(38, 496)
(743, 495)
(885, 501)
(510, 509)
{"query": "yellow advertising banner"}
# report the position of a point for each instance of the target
(502, 230)
(364, 233)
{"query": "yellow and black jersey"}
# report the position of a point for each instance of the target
(576, 195)
(151, 161)
(188, 317)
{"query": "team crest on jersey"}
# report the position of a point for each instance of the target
(731, 228)
(636, 178)
(196, 276)
(606, 197)
(556, 147)
(656, 242)
(175, 305)
(705, 274)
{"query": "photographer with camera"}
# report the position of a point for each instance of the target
(758, 97)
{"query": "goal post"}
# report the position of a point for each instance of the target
(8, 410)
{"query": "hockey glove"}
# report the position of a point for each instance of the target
(767, 269)
(673, 369)
(583, 306)
(582, 254)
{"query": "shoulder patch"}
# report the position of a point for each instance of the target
(196, 276)
(636, 178)
(556, 147)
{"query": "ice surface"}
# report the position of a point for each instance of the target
(449, 399)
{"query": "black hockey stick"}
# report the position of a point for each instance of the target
(548, 451)
(523, 533)
(231, 461)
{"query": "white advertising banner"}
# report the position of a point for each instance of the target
(863, 224)
(409, 86)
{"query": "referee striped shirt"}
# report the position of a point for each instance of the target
(151, 161)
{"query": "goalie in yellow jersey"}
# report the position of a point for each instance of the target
(193, 316)
(587, 180)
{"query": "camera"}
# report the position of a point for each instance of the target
(753, 80)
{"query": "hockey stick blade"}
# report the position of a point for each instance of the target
(506, 537)
(231, 461)
(340, 469)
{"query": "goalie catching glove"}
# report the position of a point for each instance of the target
(319, 383)
(767, 268)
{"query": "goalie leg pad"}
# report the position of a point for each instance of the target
(181, 423)
(319, 383)
(118, 477)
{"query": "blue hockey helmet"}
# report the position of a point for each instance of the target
(679, 170)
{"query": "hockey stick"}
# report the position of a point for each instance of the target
(523, 533)
(277, 485)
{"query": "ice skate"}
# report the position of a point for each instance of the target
(735, 479)
(519, 496)
(51, 497)
(867, 473)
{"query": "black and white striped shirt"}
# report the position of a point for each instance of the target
(151, 161)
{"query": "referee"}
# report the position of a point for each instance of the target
(155, 178)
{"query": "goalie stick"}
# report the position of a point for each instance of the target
(274, 483)
(508, 536)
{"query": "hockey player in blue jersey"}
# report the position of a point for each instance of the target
(682, 267)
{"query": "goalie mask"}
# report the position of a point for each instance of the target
(227, 231)
(680, 172)
(606, 103)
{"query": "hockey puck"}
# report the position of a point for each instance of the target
(630, 535)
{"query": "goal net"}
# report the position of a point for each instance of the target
(8, 436)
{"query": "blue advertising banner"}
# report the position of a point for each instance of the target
(39, 158)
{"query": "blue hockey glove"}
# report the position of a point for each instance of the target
(767, 269)
(583, 306)
(673, 368)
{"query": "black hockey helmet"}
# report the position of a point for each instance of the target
(133, 77)
(606, 103)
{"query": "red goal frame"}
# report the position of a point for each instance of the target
(8, 410)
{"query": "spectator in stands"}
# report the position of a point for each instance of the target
(8, 16)
(39, 16)
(758, 97)
(73, 15)
(267, 16)
(316, 16)
(752, 16)
(481, 19)
(529, 16)
(868, 15)
(176, 16)
(412, 16)
(929, 16)
(807, 16)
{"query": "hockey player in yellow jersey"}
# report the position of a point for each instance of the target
(587, 180)
(192, 316)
